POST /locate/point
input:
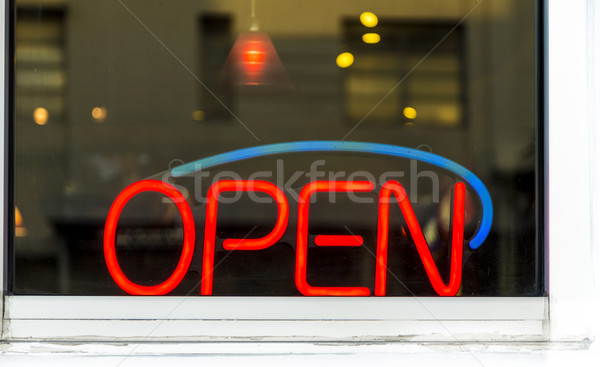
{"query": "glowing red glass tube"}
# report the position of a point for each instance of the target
(338, 240)
(302, 237)
(110, 230)
(238, 244)
(458, 220)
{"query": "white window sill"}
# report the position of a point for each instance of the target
(422, 319)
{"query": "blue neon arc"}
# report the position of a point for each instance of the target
(361, 147)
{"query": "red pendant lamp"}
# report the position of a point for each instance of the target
(254, 62)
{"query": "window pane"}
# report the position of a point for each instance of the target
(434, 98)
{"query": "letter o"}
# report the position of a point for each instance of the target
(110, 231)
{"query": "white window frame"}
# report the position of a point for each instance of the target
(564, 317)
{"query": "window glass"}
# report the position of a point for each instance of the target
(254, 148)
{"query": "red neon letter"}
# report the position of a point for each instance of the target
(238, 244)
(302, 237)
(189, 236)
(458, 221)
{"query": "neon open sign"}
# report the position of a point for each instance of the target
(389, 190)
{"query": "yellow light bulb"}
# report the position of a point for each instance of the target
(369, 19)
(198, 115)
(40, 116)
(99, 114)
(371, 38)
(410, 113)
(344, 59)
